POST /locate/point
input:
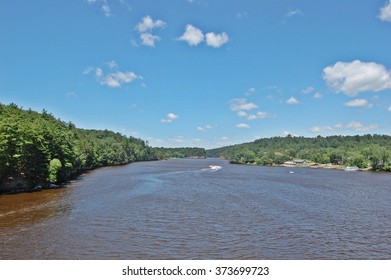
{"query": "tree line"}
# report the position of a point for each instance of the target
(38, 149)
(165, 153)
(366, 152)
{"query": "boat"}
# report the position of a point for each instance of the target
(215, 167)
(351, 168)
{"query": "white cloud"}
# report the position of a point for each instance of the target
(206, 127)
(145, 28)
(389, 109)
(148, 39)
(169, 118)
(354, 77)
(251, 117)
(177, 139)
(286, 133)
(292, 101)
(216, 40)
(104, 6)
(112, 64)
(307, 90)
(357, 126)
(88, 70)
(295, 12)
(147, 24)
(126, 4)
(241, 104)
(250, 91)
(193, 36)
(353, 125)
(358, 103)
(106, 9)
(98, 72)
(242, 125)
(318, 95)
(317, 129)
(118, 78)
(385, 12)
(112, 79)
(242, 114)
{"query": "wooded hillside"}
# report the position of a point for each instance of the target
(367, 151)
(38, 149)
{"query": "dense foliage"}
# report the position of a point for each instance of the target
(38, 149)
(164, 153)
(368, 151)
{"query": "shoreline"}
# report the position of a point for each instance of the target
(316, 166)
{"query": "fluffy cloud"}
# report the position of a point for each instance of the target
(169, 118)
(241, 104)
(292, 101)
(385, 12)
(242, 125)
(147, 24)
(193, 36)
(354, 77)
(118, 78)
(358, 103)
(145, 28)
(147, 39)
(112, 79)
(389, 109)
(216, 40)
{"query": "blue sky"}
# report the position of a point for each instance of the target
(205, 73)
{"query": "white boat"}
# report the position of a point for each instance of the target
(352, 168)
(215, 167)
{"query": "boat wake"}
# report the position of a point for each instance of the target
(214, 167)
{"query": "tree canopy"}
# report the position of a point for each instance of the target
(38, 149)
(367, 151)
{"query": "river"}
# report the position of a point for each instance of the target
(184, 209)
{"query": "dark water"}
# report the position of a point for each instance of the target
(182, 209)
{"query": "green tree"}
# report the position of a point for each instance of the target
(54, 167)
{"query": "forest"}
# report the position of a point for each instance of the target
(365, 152)
(165, 153)
(36, 149)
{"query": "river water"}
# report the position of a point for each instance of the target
(184, 209)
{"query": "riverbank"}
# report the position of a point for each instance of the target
(312, 165)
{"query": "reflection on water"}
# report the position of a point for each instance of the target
(202, 209)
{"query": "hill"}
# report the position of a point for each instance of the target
(36, 149)
(366, 152)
